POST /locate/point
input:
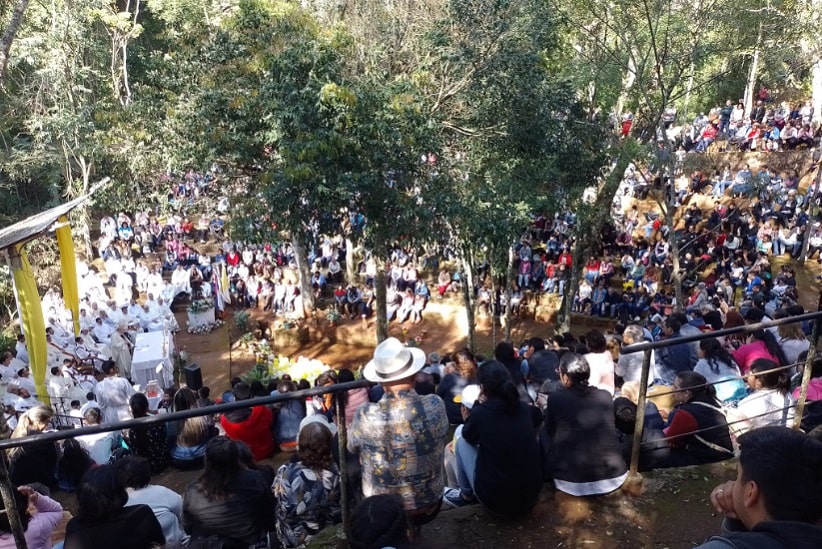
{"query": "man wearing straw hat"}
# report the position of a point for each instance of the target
(400, 439)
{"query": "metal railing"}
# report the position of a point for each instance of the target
(647, 348)
(6, 487)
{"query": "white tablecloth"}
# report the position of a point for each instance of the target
(195, 320)
(151, 350)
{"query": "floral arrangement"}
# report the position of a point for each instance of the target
(271, 366)
(205, 328)
(201, 305)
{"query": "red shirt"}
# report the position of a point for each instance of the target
(565, 259)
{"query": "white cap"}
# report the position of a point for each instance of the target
(468, 396)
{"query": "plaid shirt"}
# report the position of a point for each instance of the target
(400, 440)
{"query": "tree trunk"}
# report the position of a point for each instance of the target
(380, 297)
(571, 287)
(494, 310)
(753, 73)
(688, 89)
(306, 291)
(590, 220)
(676, 276)
(468, 301)
(510, 276)
(83, 226)
(628, 80)
(350, 267)
(816, 89)
(8, 36)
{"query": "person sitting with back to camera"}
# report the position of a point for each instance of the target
(774, 502)
(582, 452)
(497, 457)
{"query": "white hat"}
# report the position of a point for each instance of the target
(393, 361)
(122, 325)
(468, 396)
(318, 418)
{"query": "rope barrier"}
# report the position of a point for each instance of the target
(727, 424)
(726, 380)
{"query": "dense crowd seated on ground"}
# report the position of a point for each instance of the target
(530, 397)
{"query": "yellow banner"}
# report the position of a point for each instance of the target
(31, 315)
(69, 271)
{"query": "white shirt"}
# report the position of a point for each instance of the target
(98, 446)
(602, 370)
(769, 405)
(7, 374)
(24, 404)
(26, 383)
(22, 352)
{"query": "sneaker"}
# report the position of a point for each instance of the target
(453, 497)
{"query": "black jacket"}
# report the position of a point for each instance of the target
(243, 516)
(583, 441)
(508, 478)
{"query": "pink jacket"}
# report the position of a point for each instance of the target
(814, 389)
(42, 524)
(356, 398)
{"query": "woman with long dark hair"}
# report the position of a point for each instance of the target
(717, 365)
(147, 441)
(697, 431)
(229, 502)
(583, 455)
(761, 344)
(770, 402)
(505, 353)
(497, 455)
(103, 519)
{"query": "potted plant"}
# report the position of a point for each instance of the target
(333, 317)
(242, 319)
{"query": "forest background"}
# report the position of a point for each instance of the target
(440, 122)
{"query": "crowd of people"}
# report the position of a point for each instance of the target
(560, 411)
(767, 126)
(443, 429)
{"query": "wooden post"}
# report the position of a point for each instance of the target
(342, 437)
(634, 481)
(806, 374)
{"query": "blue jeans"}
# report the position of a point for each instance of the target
(720, 187)
(466, 466)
